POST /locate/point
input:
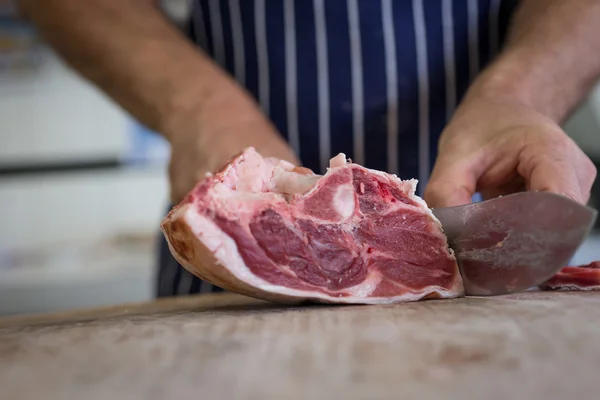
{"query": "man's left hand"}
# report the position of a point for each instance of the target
(497, 147)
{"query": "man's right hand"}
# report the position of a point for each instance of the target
(223, 128)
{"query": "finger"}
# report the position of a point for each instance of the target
(556, 176)
(586, 172)
(450, 184)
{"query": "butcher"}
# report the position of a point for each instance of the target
(467, 96)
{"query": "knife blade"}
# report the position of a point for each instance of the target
(515, 242)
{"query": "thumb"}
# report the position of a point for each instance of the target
(451, 184)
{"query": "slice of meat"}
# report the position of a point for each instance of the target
(263, 228)
(586, 277)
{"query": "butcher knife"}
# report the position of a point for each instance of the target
(515, 242)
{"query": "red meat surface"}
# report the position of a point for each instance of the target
(263, 228)
(586, 277)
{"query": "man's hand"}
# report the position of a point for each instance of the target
(506, 134)
(500, 147)
(223, 128)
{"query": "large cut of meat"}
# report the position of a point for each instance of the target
(586, 277)
(263, 228)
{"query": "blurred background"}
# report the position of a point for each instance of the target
(83, 187)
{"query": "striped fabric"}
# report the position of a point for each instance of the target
(374, 79)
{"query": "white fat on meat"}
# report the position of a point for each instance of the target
(338, 161)
(344, 201)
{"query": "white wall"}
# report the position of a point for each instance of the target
(59, 208)
(52, 225)
(53, 114)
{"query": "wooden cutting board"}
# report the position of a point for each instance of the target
(526, 346)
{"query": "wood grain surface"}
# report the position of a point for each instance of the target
(534, 345)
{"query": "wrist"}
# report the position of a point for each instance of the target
(221, 122)
(202, 102)
(518, 77)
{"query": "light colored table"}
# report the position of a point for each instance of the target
(527, 346)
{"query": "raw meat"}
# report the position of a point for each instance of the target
(586, 277)
(263, 228)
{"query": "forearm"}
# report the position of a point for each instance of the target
(133, 53)
(551, 59)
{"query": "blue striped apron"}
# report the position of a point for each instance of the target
(374, 79)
